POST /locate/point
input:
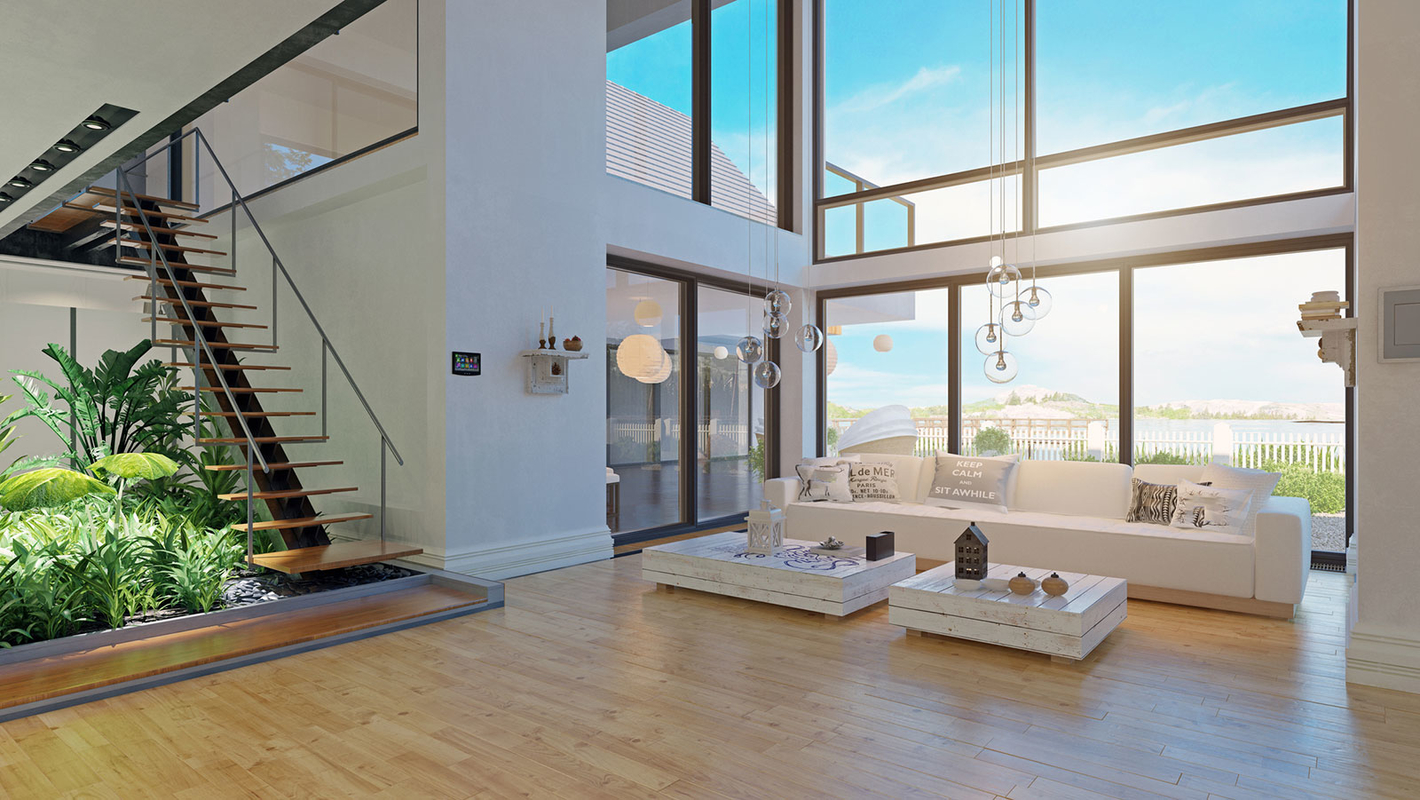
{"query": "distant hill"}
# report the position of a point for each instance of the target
(1037, 402)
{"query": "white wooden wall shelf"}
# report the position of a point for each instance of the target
(547, 369)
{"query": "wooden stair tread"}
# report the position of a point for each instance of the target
(215, 345)
(194, 303)
(143, 262)
(301, 522)
(206, 323)
(333, 556)
(129, 226)
(242, 389)
(128, 211)
(176, 248)
(162, 201)
(59, 675)
(265, 439)
(273, 465)
(190, 365)
(192, 284)
(284, 493)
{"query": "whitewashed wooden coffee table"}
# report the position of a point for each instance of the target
(792, 577)
(1066, 628)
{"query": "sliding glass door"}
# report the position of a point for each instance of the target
(690, 438)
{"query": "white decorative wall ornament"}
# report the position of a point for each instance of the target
(766, 529)
(1322, 318)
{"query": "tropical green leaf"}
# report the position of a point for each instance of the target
(44, 488)
(148, 466)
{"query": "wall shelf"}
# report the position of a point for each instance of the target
(547, 369)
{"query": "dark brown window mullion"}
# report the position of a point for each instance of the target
(700, 146)
(786, 82)
(689, 402)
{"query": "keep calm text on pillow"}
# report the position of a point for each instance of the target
(965, 481)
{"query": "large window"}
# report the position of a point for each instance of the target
(1210, 368)
(349, 92)
(690, 438)
(694, 101)
(1137, 109)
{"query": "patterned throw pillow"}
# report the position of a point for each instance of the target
(1220, 510)
(1258, 483)
(820, 482)
(971, 481)
(1153, 503)
(873, 482)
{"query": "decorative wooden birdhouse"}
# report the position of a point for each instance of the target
(971, 554)
(766, 529)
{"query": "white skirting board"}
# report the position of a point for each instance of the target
(524, 558)
(1383, 659)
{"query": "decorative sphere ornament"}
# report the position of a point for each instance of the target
(809, 338)
(1038, 299)
(722, 352)
(1017, 318)
(775, 324)
(999, 280)
(996, 261)
(766, 375)
(830, 357)
(1055, 585)
(778, 302)
(647, 313)
(1022, 584)
(1001, 367)
(750, 349)
(882, 343)
(988, 338)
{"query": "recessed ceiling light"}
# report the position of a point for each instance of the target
(96, 123)
(5, 198)
(21, 182)
(40, 165)
(67, 146)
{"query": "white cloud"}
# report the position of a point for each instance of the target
(876, 97)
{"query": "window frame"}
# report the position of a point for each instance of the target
(1030, 165)
(1125, 267)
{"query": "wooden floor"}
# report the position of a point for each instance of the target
(591, 684)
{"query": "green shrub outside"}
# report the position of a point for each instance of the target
(992, 441)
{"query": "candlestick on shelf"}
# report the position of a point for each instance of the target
(551, 337)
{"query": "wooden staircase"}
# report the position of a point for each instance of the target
(288, 501)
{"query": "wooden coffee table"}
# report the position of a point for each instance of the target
(1066, 628)
(831, 585)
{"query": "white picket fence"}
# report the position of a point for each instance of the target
(1056, 439)
(715, 438)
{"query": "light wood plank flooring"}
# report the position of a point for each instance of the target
(591, 684)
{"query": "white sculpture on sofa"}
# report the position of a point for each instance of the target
(889, 430)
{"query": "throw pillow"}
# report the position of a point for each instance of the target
(873, 481)
(1260, 484)
(1221, 510)
(971, 481)
(1153, 503)
(828, 482)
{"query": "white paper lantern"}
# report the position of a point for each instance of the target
(722, 352)
(882, 343)
(766, 529)
(639, 356)
(647, 313)
(830, 357)
(662, 372)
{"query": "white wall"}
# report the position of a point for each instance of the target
(1385, 642)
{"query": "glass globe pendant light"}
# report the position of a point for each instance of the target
(750, 349)
(775, 324)
(809, 338)
(766, 375)
(1017, 318)
(988, 338)
(1000, 278)
(778, 302)
(1001, 367)
(1038, 299)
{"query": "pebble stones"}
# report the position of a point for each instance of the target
(1055, 585)
(246, 591)
(1022, 584)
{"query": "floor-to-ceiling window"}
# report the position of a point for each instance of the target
(690, 437)
(696, 93)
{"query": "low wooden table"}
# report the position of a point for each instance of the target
(794, 577)
(1066, 628)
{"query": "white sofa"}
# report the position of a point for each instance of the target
(1070, 516)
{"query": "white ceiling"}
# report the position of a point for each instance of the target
(61, 60)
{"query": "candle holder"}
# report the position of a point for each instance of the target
(551, 337)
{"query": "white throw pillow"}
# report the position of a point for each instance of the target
(1260, 484)
(873, 482)
(824, 479)
(1219, 510)
(971, 481)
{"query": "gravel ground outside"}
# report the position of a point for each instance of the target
(1329, 532)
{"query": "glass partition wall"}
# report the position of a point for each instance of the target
(1180, 358)
(690, 438)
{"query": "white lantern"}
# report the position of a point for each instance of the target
(882, 343)
(640, 356)
(662, 372)
(647, 313)
(766, 529)
(722, 352)
(830, 357)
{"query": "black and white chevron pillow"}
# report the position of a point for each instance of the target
(1153, 503)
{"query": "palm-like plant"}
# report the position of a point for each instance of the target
(8, 435)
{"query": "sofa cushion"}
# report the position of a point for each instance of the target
(873, 480)
(1201, 506)
(1168, 473)
(1153, 503)
(820, 482)
(1073, 488)
(971, 481)
(1259, 483)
